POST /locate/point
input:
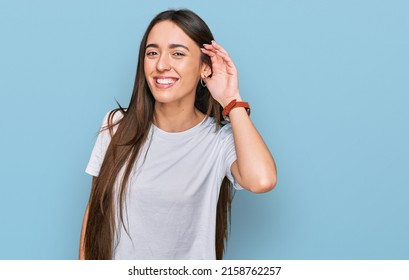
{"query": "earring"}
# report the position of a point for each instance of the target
(202, 82)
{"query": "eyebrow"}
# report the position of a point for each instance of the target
(171, 46)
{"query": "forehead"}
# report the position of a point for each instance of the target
(167, 32)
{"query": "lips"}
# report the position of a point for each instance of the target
(165, 82)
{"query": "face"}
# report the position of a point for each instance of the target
(172, 64)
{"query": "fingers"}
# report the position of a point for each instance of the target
(219, 48)
(226, 58)
(214, 57)
(208, 52)
(214, 50)
(215, 47)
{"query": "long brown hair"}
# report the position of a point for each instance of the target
(131, 134)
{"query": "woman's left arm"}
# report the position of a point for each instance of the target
(254, 168)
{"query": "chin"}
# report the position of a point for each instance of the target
(162, 96)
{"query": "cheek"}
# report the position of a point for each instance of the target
(146, 67)
(190, 70)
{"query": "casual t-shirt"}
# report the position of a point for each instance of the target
(172, 193)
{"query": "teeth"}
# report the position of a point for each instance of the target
(165, 81)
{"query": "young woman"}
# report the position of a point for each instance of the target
(164, 167)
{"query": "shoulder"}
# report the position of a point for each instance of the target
(112, 118)
(225, 131)
(110, 123)
(222, 132)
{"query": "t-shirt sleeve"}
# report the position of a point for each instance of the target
(229, 155)
(99, 150)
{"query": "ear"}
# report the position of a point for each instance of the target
(206, 71)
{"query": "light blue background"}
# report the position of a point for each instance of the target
(328, 82)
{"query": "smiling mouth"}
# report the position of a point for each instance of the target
(165, 81)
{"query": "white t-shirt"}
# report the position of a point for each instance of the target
(172, 193)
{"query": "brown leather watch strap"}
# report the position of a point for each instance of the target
(234, 104)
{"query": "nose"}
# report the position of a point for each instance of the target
(163, 63)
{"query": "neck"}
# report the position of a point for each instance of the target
(175, 117)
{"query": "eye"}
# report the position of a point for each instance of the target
(178, 54)
(151, 53)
